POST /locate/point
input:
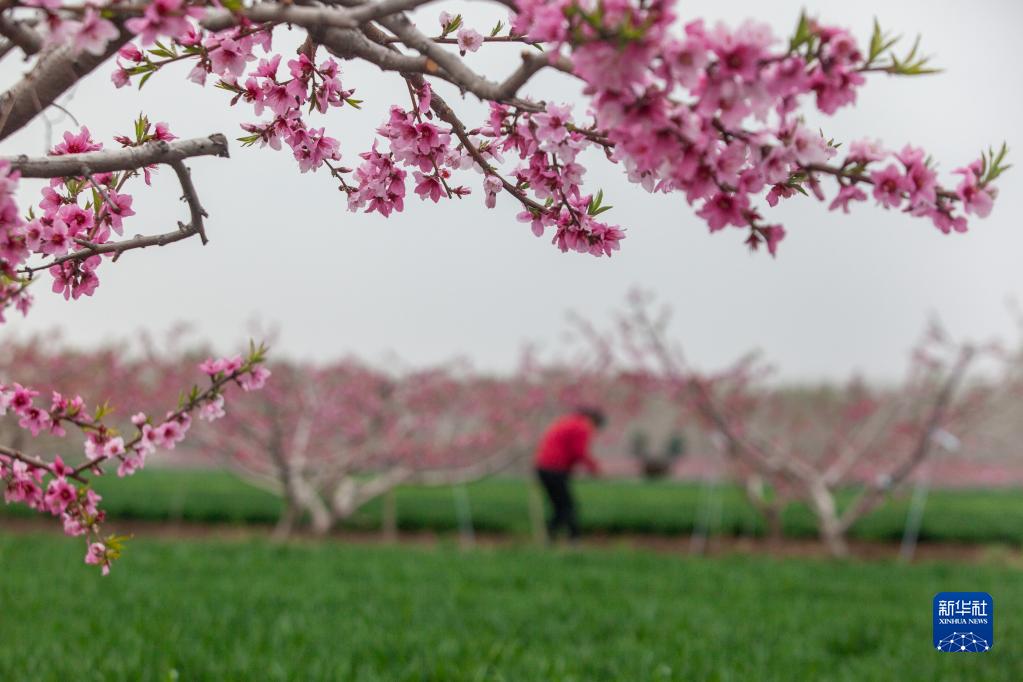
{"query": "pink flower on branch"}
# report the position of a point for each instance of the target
(50, 486)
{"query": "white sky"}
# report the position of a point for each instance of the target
(847, 293)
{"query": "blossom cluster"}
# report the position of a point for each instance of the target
(227, 56)
(75, 214)
(715, 113)
(62, 490)
(416, 143)
(13, 289)
(711, 112)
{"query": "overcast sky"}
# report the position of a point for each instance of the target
(846, 293)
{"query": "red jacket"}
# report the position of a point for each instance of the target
(565, 444)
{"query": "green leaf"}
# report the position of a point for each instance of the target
(249, 140)
(911, 64)
(803, 35)
(994, 164)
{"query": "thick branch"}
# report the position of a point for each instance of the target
(170, 153)
(20, 33)
(473, 472)
(56, 71)
(111, 160)
(308, 16)
(461, 74)
(350, 44)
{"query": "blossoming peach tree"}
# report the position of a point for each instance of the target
(714, 114)
(330, 439)
(858, 440)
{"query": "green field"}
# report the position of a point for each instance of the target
(607, 506)
(256, 611)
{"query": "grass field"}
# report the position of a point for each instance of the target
(255, 611)
(502, 505)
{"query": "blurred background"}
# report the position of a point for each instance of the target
(373, 514)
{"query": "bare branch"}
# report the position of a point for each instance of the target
(371, 11)
(309, 16)
(473, 472)
(461, 74)
(56, 71)
(22, 34)
(350, 44)
(196, 211)
(872, 496)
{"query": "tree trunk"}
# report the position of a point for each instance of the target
(343, 503)
(319, 514)
(389, 516)
(769, 509)
(773, 525)
(834, 539)
(286, 524)
(829, 526)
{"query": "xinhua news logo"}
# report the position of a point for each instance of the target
(964, 622)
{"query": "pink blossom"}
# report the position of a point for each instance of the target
(846, 195)
(23, 485)
(229, 58)
(975, 198)
(724, 209)
(130, 463)
(35, 420)
(469, 40)
(255, 379)
(212, 366)
(213, 410)
(76, 144)
(118, 208)
(491, 186)
(76, 219)
(428, 186)
(163, 18)
(313, 148)
(56, 238)
(232, 364)
(889, 185)
(20, 399)
(113, 447)
(61, 469)
(810, 147)
(97, 556)
(552, 124)
(120, 77)
(59, 494)
(535, 221)
(131, 53)
(196, 75)
(94, 33)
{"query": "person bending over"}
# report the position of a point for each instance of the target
(565, 444)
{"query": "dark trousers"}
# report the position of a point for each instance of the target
(555, 484)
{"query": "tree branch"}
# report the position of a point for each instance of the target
(56, 71)
(872, 496)
(112, 160)
(170, 153)
(22, 34)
